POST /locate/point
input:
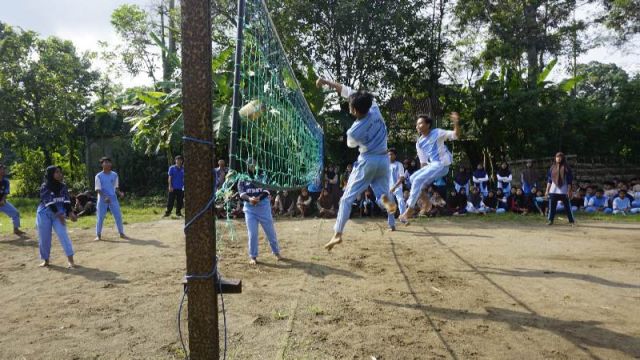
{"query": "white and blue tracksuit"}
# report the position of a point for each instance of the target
(397, 171)
(504, 180)
(372, 167)
(480, 180)
(433, 151)
(107, 183)
(52, 204)
(258, 214)
(7, 208)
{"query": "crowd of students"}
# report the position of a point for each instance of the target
(469, 193)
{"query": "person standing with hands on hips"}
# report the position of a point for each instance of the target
(559, 184)
(108, 189)
(176, 187)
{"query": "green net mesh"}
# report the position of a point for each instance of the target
(277, 129)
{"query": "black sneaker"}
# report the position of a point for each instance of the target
(166, 215)
(179, 214)
(549, 223)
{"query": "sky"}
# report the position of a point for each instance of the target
(85, 22)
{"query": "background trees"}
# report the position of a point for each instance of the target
(492, 61)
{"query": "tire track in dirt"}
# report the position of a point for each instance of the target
(293, 308)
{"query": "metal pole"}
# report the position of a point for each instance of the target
(200, 236)
(237, 96)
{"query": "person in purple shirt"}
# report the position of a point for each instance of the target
(176, 187)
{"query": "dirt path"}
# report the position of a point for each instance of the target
(438, 289)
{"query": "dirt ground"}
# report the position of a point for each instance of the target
(440, 289)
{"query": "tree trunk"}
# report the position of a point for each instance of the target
(200, 237)
(172, 39)
(530, 12)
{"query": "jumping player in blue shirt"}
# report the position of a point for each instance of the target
(434, 154)
(369, 134)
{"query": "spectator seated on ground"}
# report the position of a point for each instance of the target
(622, 204)
(237, 213)
(284, 204)
(540, 202)
(460, 200)
(610, 192)
(303, 204)
(367, 204)
(589, 194)
(491, 203)
(520, 203)
(326, 207)
(439, 206)
(502, 200)
(425, 195)
(84, 204)
(577, 202)
(531, 201)
(560, 208)
(475, 204)
(636, 196)
(599, 203)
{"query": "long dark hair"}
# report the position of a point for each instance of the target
(558, 170)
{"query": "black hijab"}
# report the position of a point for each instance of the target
(462, 177)
(504, 172)
(50, 182)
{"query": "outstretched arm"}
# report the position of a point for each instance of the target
(332, 84)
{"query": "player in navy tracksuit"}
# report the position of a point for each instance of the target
(55, 206)
(6, 206)
(257, 210)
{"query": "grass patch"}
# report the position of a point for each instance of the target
(316, 310)
(134, 210)
(279, 315)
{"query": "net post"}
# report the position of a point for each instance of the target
(237, 96)
(197, 111)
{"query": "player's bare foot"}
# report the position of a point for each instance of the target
(389, 205)
(404, 218)
(44, 263)
(253, 261)
(337, 239)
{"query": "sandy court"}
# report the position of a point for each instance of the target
(436, 289)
